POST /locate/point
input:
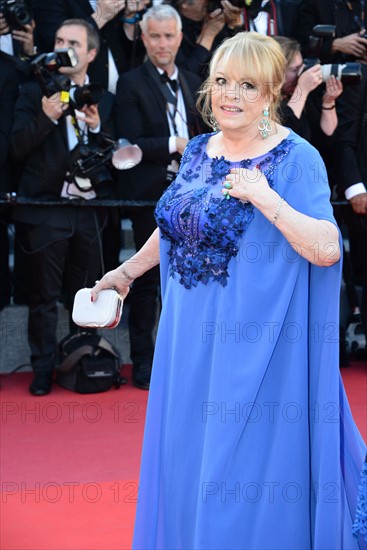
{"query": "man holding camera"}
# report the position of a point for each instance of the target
(348, 161)
(349, 42)
(112, 19)
(155, 110)
(16, 30)
(63, 239)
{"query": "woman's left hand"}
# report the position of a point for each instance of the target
(334, 89)
(245, 184)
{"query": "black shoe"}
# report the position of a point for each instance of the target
(141, 376)
(42, 383)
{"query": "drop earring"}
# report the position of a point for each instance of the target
(213, 123)
(265, 126)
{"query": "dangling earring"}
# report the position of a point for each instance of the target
(265, 126)
(213, 123)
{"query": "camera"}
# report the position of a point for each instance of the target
(91, 164)
(89, 94)
(16, 13)
(89, 167)
(46, 66)
(348, 73)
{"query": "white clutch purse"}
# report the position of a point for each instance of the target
(104, 313)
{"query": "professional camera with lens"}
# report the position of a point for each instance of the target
(45, 68)
(348, 73)
(16, 13)
(91, 165)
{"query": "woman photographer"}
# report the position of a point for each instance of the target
(312, 115)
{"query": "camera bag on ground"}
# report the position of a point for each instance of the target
(87, 363)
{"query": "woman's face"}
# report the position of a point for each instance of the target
(292, 73)
(237, 102)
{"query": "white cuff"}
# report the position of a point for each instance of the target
(95, 130)
(172, 147)
(354, 190)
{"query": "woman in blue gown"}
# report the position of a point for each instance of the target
(249, 440)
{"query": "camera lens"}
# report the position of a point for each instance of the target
(348, 73)
(90, 94)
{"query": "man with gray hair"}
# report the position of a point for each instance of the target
(155, 110)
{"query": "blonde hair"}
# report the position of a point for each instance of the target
(257, 57)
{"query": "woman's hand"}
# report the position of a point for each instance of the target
(310, 79)
(247, 185)
(116, 279)
(334, 88)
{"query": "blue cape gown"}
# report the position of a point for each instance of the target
(249, 440)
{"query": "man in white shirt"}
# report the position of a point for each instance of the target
(63, 239)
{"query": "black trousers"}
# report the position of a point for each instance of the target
(67, 264)
(144, 294)
(357, 233)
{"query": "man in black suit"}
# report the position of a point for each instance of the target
(17, 48)
(351, 172)
(347, 44)
(155, 110)
(347, 162)
(107, 16)
(17, 40)
(63, 239)
(9, 80)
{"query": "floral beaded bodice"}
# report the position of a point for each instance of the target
(202, 226)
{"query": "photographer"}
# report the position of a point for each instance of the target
(351, 175)
(204, 26)
(63, 239)
(16, 30)
(307, 106)
(349, 42)
(9, 83)
(110, 18)
(348, 161)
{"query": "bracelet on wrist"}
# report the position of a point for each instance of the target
(328, 108)
(126, 274)
(277, 210)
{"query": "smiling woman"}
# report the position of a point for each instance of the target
(235, 452)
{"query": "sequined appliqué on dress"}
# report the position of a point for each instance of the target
(201, 225)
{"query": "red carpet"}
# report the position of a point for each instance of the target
(69, 463)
